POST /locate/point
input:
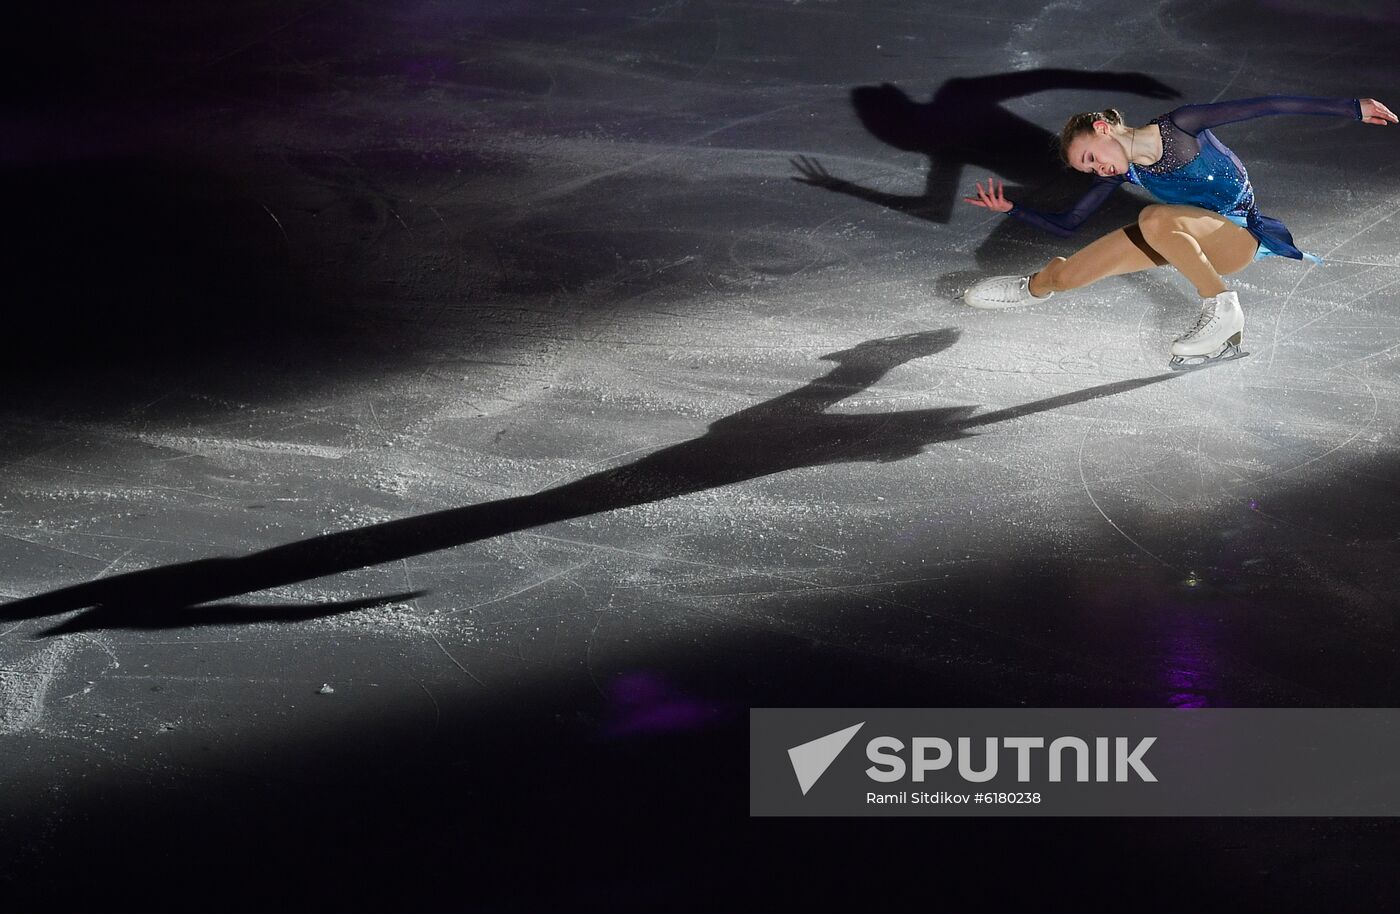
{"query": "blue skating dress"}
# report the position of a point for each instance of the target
(1196, 169)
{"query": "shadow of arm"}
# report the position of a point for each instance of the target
(1001, 86)
(935, 204)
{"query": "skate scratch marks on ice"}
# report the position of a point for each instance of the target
(1278, 321)
(1094, 501)
(1366, 358)
(1370, 421)
(1244, 60)
(454, 660)
(408, 579)
(122, 481)
(278, 221)
(437, 709)
(528, 587)
(43, 545)
(805, 584)
(568, 187)
(23, 691)
(1351, 301)
(588, 654)
(113, 564)
(206, 447)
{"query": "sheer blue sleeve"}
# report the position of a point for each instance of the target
(1194, 118)
(1064, 224)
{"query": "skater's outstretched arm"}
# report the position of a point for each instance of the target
(1062, 224)
(1194, 118)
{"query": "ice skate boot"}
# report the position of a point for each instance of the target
(1216, 337)
(1002, 292)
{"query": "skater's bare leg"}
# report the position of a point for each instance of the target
(1202, 245)
(1118, 252)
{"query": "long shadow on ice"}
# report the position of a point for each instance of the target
(784, 433)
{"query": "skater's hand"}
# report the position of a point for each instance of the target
(993, 198)
(1373, 112)
(812, 172)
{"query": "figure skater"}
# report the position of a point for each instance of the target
(1207, 225)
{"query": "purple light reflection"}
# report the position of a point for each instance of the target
(1190, 661)
(1176, 626)
(644, 702)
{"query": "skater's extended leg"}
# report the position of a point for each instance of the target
(1202, 245)
(1118, 252)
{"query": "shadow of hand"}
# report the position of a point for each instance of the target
(812, 172)
(887, 352)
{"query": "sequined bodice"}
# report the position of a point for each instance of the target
(1209, 176)
(1178, 147)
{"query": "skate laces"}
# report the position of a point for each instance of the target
(1202, 320)
(1007, 289)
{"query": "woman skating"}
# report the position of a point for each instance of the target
(1207, 225)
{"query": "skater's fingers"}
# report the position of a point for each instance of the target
(1374, 112)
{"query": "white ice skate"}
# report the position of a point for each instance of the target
(1216, 337)
(1002, 292)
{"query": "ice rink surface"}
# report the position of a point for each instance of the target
(430, 426)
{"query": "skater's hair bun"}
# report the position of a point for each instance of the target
(1082, 124)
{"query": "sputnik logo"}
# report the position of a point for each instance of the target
(810, 760)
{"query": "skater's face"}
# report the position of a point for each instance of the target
(1097, 153)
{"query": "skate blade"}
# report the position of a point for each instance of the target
(1227, 353)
